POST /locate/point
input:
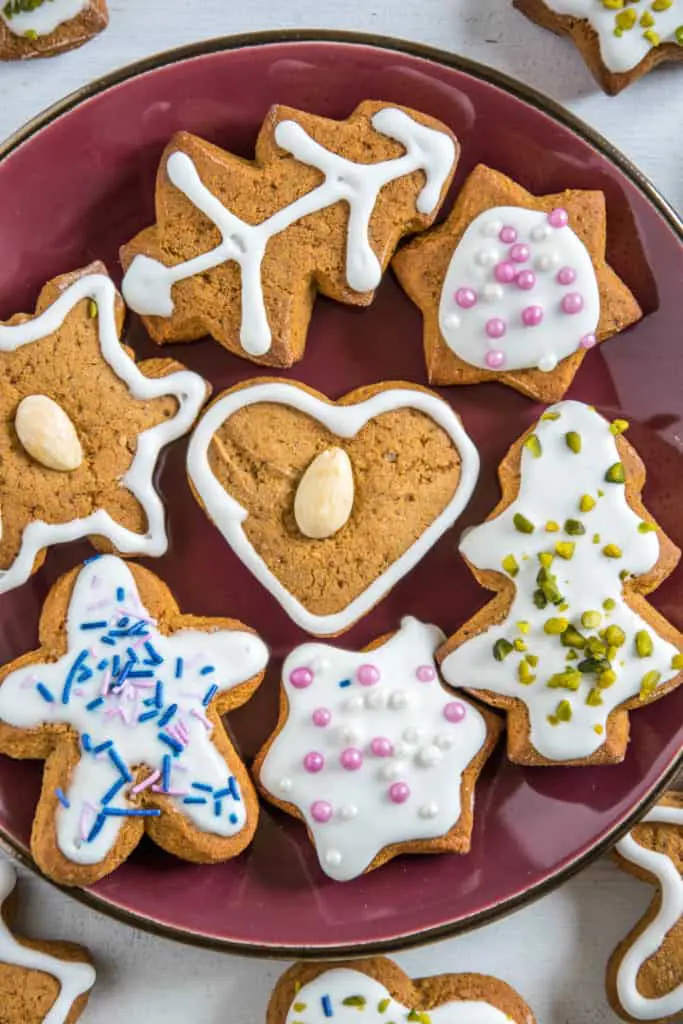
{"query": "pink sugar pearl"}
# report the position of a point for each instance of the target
(566, 275)
(382, 747)
(351, 759)
(321, 717)
(454, 711)
(368, 675)
(558, 218)
(589, 341)
(519, 253)
(496, 328)
(572, 303)
(494, 359)
(301, 678)
(508, 235)
(525, 280)
(466, 298)
(313, 761)
(532, 316)
(321, 811)
(504, 272)
(425, 673)
(399, 792)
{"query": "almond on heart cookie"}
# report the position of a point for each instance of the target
(515, 287)
(373, 753)
(84, 427)
(44, 28)
(620, 40)
(329, 504)
(241, 248)
(645, 972)
(569, 645)
(123, 700)
(40, 981)
(376, 991)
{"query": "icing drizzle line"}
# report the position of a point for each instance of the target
(42, 20)
(147, 284)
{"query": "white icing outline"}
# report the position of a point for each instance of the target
(188, 388)
(44, 19)
(651, 938)
(74, 977)
(344, 421)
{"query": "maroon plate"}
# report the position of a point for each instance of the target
(78, 183)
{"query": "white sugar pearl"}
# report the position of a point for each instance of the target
(429, 810)
(547, 362)
(541, 232)
(319, 664)
(398, 700)
(400, 750)
(492, 292)
(374, 699)
(443, 742)
(389, 771)
(492, 229)
(333, 858)
(429, 756)
(349, 734)
(348, 812)
(452, 322)
(285, 785)
(486, 257)
(546, 261)
(354, 704)
(412, 735)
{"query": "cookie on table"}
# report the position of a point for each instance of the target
(569, 645)
(123, 700)
(240, 248)
(373, 753)
(645, 972)
(620, 40)
(83, 427)
(44, 28)
(40, 981)
(376, 991)
(515, 287)
(329, 504)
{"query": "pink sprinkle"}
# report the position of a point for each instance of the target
(496, 328)
(399, 792)
(566, 275)
(454, 712)
(504, 272)
(382, 747)
(572, 303)
(494, 359)
(508, 235)
(85, 821)
(425, 673)
(525, 280)
(142, 684)
(149, 781)
(95, 582)
(106, 679)
(170, 792)
(202, 718)
(28, 681)
(321, 811)
(321, 717)
(351, 759)
(520, 253)
(466, 298)
(589, 341)
(300, 678)
(558, 218)
(368, 675)
(78, 691)
(314, 761)
(532, 316)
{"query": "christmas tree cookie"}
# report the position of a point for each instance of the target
(44, 28)
(515, 287)
(620, 40)
(569, 645)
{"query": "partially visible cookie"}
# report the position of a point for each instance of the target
(377, 991)
(40, 981)
(645, 972)
(44, 28)
(515, 287)
(620, 40)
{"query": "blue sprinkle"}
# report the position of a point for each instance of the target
(120, 594)
(344, 683)
(203, 787)
(194, 800)
(178, 668)
(150, 702)
(206, 670)
(140, 673)
(154, 656)
(123, 674)
(107, 640)
(85, 674)
(148, 715)
(93, 558)
(166, 772)
(59, 793)
(45, 693)
(115, 666)
(327, 1006)
(233, 819)
(118, 763)
(131, 812)
(159, 694)
(86, 743)
(123, 622)
(100, 624)
(97, 827)
(176, 747)
(101, 665)
(217, 808)
(103, 746)
(73, 671)
(94, 703)
(139, 629)
(230, 790)
(111, 793)
(168, 714)
(209, 695)
(131, 654)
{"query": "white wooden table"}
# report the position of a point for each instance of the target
(555, 951)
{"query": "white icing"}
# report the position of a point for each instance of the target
(347, 843)
(622, 53)
(344, 421)
(341, 983)
(651, 938)
(105, 592)
(148, 283)
(74, 977)
(550, 489)
(473, 266)
(188, 388)
(44, 19)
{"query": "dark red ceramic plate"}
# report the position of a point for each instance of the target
(76, 184)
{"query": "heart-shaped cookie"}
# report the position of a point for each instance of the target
(329, 503)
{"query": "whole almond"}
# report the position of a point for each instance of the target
(324, 497)
(47, 433)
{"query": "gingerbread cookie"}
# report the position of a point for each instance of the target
(83, 427)
(240, 249)
(645, 972)
(377, 991)
(123, 699)
(46, 982)
(330, 504)
(569, 645)
(515, 287)
(620, 40)
(44, 28)
(373, 753)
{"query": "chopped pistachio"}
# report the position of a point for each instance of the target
(519, 644)
(563, 711)
(624, 575)
(591, 619)
(677, 662)
(572, 638)
(648, 684)
(570, 679)
(524, 673)
(615, 474)
(615, 636)
(607, 678)
(601, 493)
(553, 719)
(612, 551)
(646, 527)
(550, 416)
(565, 549)
(609, 604)
(644, 645)
(540, 600)
(587, 503)
(534, 446)
(574, 528)
(595, 647)
(547, 583)
(359, 1001)
(501, 649)
(573, 441)
(593, 665)
(532, 659)
(612, 653)
(619, 427)
(524, 627)
(594, 698)
(383, 1005)
(599, 729)
(596, 538)
(510, 564)
(300, 1007)
(563, 607)
(522, 524)
(546, 559)
(555, 626)
(571, 655)
(552, 527)
(92, 309)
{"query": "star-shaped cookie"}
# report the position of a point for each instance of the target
(515, 287)
(83, 427)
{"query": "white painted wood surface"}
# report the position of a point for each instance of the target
(555, 951)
